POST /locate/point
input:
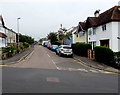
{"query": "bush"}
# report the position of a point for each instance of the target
(81, 48)
(117, 59)
(5, 50)
(21, 47)
(105, 55)
(8, 49)
(25, 44)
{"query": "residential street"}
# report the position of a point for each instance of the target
(45, 72)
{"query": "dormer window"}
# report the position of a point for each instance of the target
(82, 34)
(104, 27)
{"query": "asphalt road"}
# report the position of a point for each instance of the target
(45, 72)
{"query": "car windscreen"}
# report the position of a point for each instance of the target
(67, 47)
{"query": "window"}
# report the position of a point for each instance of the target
(94, 31)
(104, 27)
(89, 32)
(67, 47)
(82, 34)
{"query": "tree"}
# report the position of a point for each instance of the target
(25, 38)
(52, 37)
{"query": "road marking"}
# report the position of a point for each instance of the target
(107, 72)
(53, 62)
(83, 70)
(55, 65)
(48, 55)
(94, 71)
(52, 79)
(58, 68)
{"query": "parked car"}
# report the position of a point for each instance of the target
(40, 43)
(64, 50)
(49, 46)
(54, 47)
(46, 43)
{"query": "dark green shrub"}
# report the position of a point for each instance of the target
(5, 50)
(21, 47)
(81, 48)
(104, 54)
(56, 43)
(117, 59)
(25, 44)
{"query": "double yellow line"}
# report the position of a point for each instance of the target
(83, 63)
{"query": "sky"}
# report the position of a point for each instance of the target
(40, 17)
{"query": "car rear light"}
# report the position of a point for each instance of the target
(62, 49)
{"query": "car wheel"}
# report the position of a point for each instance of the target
(56, 53)
(60, 54)
(71, 56)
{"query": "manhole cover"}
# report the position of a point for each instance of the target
(52, 79)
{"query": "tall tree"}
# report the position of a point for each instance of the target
(52, 37)
(25, 38)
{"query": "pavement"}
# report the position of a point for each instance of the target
(17, 57)
(94, 64)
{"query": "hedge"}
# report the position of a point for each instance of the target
(117, 59)
(81, 49)
(26, 45)
(104, 55)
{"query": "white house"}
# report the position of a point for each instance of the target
(2, 40)
(11, 36)
(104, 29)
(3, 37)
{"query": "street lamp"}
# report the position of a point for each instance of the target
(18, 28)
(118, 37)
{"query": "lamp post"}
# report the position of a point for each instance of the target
(18, 27)
(118, 37)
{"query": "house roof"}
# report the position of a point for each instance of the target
(112, 14)
(9, 29)
(1, 18)
(83, 25)
(2, 35)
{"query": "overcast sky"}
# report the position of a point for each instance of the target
(39, 17)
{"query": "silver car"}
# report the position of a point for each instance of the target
(64, 50)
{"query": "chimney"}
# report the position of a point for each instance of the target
(97, 13)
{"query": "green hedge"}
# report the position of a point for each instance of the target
(81, 48)
(26, 45)
(117, 59)
(105, 55)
